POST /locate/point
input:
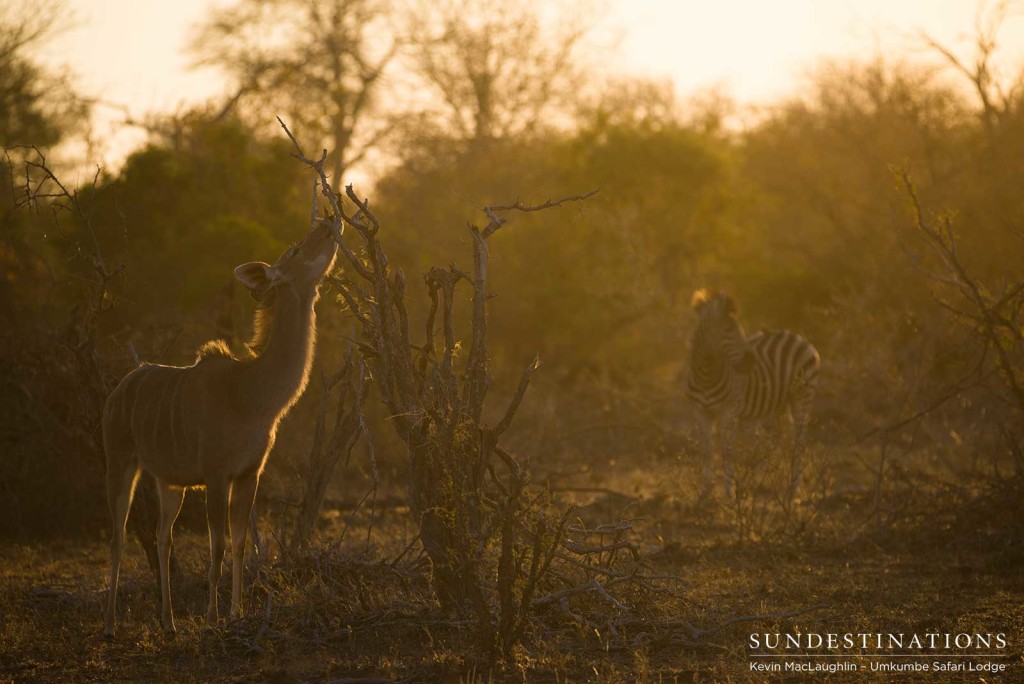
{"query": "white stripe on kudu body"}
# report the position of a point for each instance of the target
(734, 377)
(212, 424)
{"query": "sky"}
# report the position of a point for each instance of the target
(762, 50)
(131, 53)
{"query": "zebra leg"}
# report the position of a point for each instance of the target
(707, 455)
(727, 445)
(784, 450)
(799, 416)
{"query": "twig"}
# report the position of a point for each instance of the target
(517, 398)
(589, 550)
(254, 644)
(337, 221)
(699, 634)
(497, 222)
(405, 551)
(592, 585)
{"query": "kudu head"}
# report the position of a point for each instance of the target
(300, 269)
(718, 331)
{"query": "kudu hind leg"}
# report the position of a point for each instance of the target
(170, 505)
(121, 480)
(216, 519)
(243, 492)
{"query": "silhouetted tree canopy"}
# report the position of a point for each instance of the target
(319, 64)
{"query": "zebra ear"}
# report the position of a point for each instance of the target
(699, 300)
(730, 303)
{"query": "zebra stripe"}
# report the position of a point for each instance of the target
(734, 377)
(785, 363)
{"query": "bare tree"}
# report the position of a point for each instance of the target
(318, 61)
(351, 383)
(989, 308)
(37, 105)
(436, 404)
(997, 98)
(500, 68)
(40, 189)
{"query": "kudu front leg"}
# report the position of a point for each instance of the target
(216, 519)
(120, 489)
(170, 505)
(243, 492)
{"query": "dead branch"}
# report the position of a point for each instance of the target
(973, 378)
(601, 570)
(349, 425)
(582, 550)
(995, 100)
(437, 409)
(607, 528)
(591, 586)
(995, 319)
(698, 634)
(497, 221)
(338, 216)
(517, 398)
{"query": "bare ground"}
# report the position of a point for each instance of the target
(919, 558)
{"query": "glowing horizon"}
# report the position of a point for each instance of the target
(131, 57)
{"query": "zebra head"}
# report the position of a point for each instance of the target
(719, 339)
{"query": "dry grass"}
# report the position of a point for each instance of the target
(919, 556)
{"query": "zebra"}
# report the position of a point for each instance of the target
(734, 377)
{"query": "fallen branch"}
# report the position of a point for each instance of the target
(591, 586)
(582, 550)
(696, 634)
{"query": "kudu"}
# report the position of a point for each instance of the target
(213, 423)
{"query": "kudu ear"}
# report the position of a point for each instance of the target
(256, 276)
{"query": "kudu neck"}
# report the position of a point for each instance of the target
(285, 337)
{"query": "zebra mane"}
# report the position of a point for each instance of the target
(730, 303)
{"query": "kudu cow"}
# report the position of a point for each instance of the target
(212, 424)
